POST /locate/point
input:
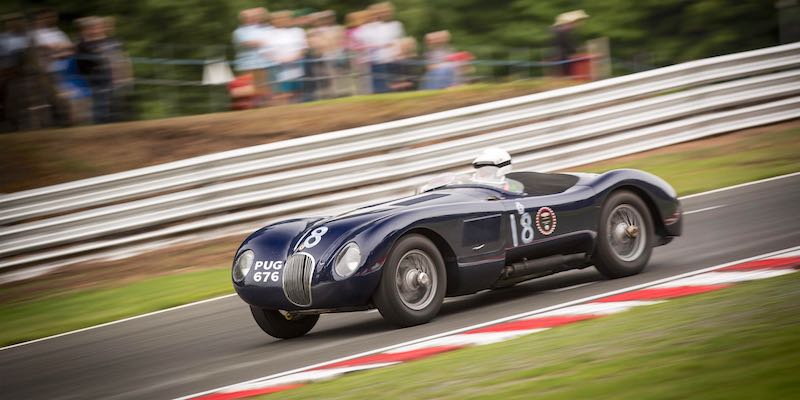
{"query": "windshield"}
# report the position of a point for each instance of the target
(478, 178)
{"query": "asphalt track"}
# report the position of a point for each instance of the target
(216, 343)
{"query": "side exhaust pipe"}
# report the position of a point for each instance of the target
(530, 269)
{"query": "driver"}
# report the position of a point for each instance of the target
(491, 167)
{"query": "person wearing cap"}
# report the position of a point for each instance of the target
(563, 40)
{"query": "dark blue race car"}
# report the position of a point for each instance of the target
(456, 237)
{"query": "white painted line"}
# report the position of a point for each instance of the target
(741, 185)
(596, 308)
(499, 320)
(721, 278)
(704, 209)
(88, 328)
(792, 254)
(570, 287)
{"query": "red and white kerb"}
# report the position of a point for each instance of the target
(701, 283)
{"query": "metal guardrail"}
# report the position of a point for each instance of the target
(592, 123)
(543, 105)
(550, 130)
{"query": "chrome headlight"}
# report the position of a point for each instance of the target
(348, 260)
(242, 265)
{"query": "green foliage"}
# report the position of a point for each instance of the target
(643, 34)
(55, 314)
(665, 31)
(659, 32)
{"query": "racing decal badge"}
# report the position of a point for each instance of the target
(546, 220)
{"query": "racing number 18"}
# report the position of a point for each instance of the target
(526, 231)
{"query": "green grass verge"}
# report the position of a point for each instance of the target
(739, 343)
(703, 167)
(39, 318)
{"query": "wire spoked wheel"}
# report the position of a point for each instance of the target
(416, 279)
(413, 282)
(625, 232)
(625, 237)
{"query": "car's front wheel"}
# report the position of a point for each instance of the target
(413, 282)
(283, 326)
(625, 236)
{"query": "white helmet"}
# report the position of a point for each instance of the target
(494, 157)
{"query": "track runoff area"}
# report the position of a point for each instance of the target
(768, 228)
(705, 280)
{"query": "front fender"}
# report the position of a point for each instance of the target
(466, 273)
(328, 290)
(660, 196)
(275, 241)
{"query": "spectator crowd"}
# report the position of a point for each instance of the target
(286, 57)
(47, 79)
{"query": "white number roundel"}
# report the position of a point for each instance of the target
(315, 237)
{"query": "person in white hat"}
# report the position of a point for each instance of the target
(563, 41)
(491, 167)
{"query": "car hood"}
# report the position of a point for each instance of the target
(278, 241)
(442, 197)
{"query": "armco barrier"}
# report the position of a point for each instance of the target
(550, 130)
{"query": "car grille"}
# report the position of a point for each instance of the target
(297, 278)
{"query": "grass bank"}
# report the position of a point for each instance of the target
(58, 303)
(726, 160)
(81, 308)
(739, 343)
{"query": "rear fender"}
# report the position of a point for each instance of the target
(660, 198)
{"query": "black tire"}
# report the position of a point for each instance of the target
(609, 261)
(276, 325)
(388, 297)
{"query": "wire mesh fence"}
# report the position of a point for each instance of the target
(175, 80)
(170, 87)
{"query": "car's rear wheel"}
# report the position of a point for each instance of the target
(413, 282)
(625, 236)
(283, 326)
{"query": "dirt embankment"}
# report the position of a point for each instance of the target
(34, 159)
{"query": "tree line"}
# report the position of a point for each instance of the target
(656, 32)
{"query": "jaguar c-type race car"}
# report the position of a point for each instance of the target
(459, 235)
